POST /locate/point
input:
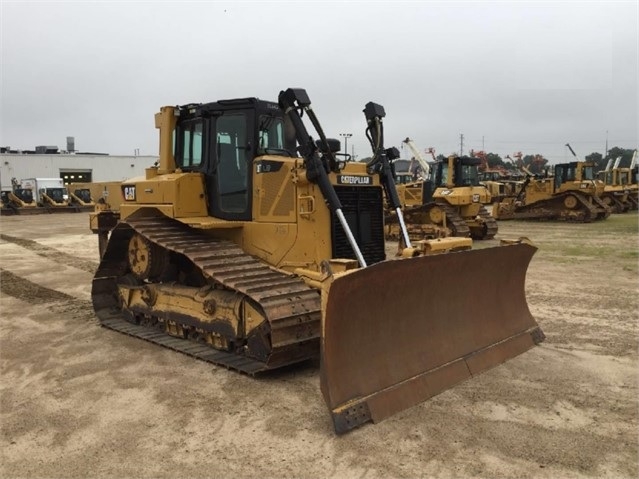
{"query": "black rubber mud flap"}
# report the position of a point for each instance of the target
(399, 332)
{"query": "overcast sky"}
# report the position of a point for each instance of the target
(511, 76)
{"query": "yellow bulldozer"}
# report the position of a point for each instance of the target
(617, 187)
(251, 246)
(448, 200)
(571, 194)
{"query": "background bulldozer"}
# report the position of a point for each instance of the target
(616, 194)
(571, 194)
(448, 200)
(237, 251)
(634, 182)
(620, 185)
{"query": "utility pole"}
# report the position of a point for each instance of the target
(461, 144)
(606, 152)
(482, 144)
(346, 137)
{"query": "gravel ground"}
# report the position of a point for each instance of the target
(81, 401)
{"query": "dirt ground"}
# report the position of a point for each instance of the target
(78, 400)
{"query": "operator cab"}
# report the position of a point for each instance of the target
(465, 171)
(221, 140)
(567, 172)
(24, 194)
(403, 178)
(58, 195)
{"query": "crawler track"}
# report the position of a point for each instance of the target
(490, 224)
(292, 308)
(554, 208)
(420, 226)
(455, 222)
(614, 202)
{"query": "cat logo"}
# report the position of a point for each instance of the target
(129, 193)
(353, 180)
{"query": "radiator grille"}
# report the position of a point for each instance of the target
(363, 210)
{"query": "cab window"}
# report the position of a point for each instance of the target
(588, 173)
(469, 175)
(623, 178)
(271, 135)
(191, 145)
(232, 161)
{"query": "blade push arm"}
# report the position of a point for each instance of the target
(293, 102)
(381, 162)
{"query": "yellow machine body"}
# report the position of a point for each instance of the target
(571, 194)
(283, 285)
(20, 202)
(618, 189)
(451, 203)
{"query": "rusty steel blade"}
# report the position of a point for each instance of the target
(399, 332)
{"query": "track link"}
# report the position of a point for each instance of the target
(454, 221)
(614, 203)
(490, 222)
(601, 209)
(292, 308)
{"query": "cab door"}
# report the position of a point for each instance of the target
(229, 182)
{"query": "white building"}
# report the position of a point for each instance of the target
(72, 168)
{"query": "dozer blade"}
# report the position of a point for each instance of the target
(399, 332)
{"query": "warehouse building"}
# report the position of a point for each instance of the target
(71, 166)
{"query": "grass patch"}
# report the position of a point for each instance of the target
(627, 223)
(576, 253)
(591, 251)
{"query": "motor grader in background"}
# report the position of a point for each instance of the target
(237, 251)
(448, 202)
(571, 194)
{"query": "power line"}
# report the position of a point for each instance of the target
(559, 143)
